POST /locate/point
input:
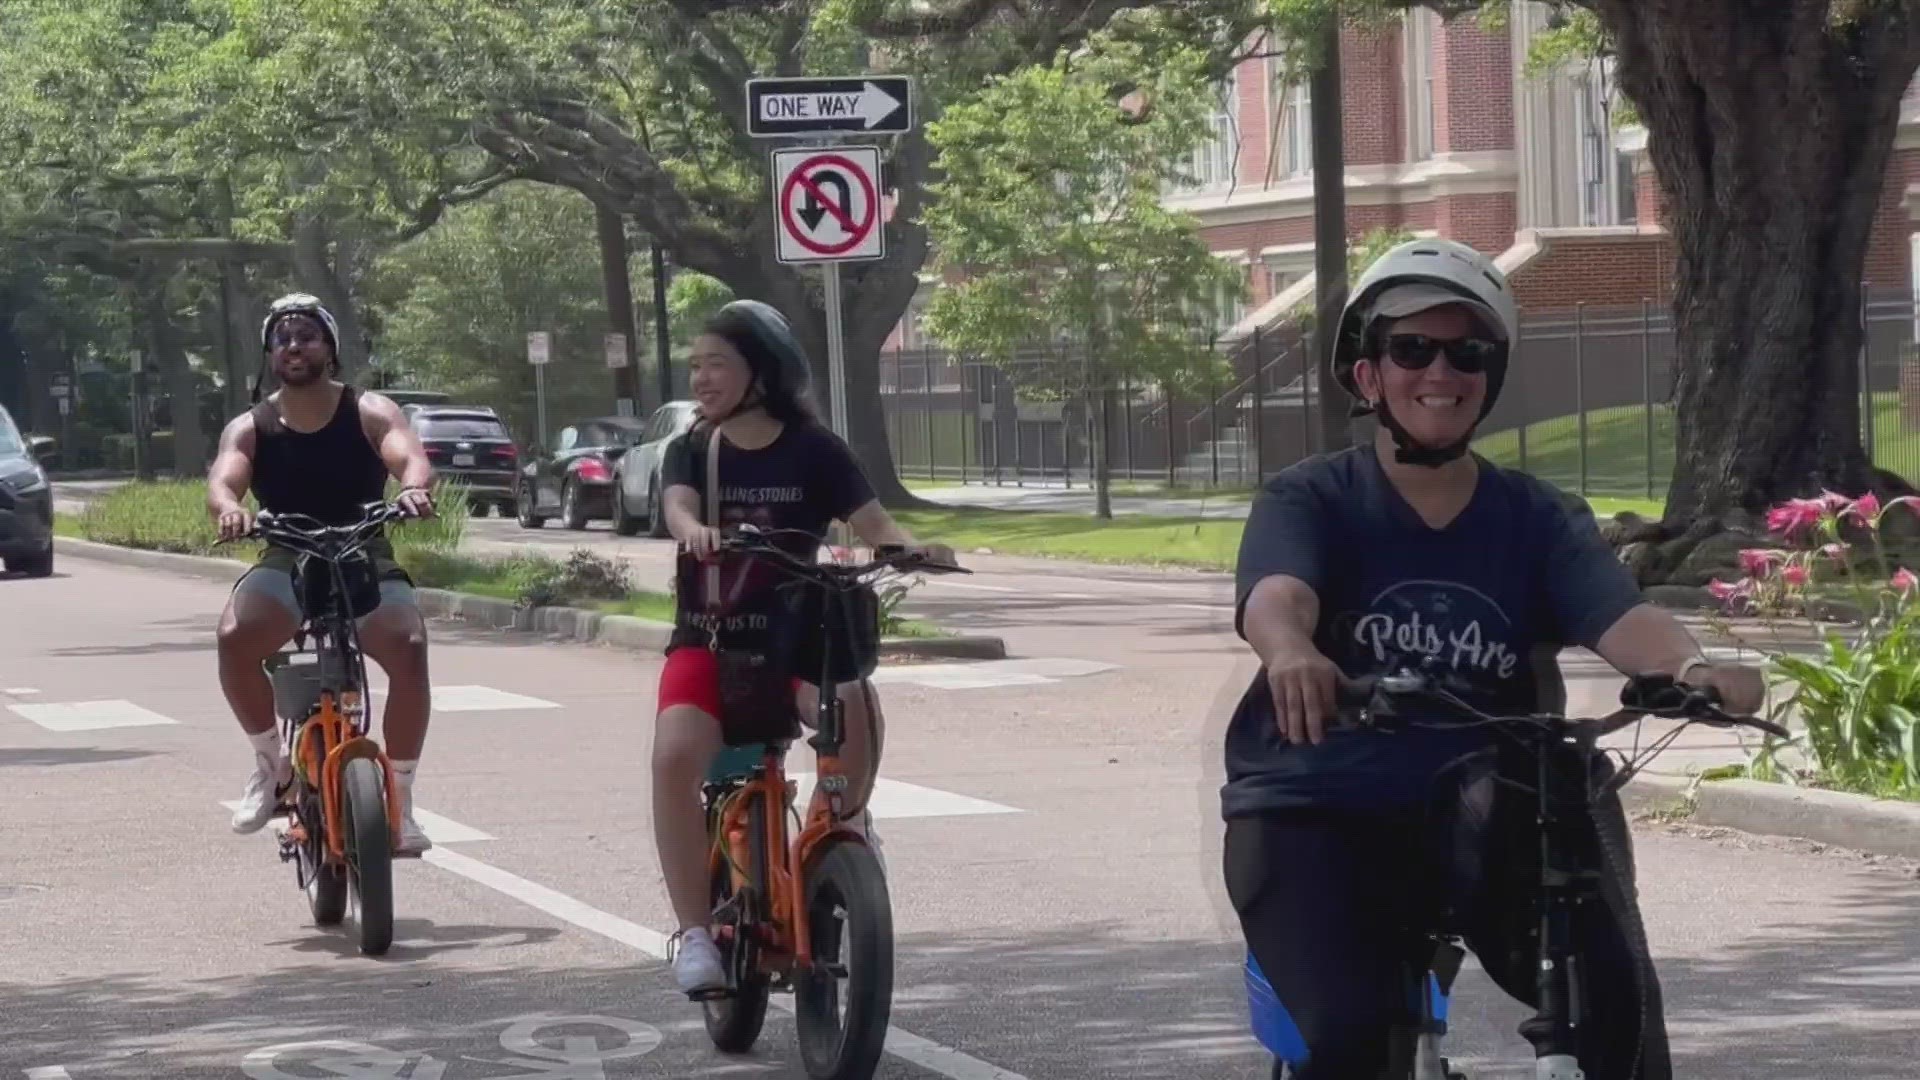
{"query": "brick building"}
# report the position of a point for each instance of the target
(1446, 135)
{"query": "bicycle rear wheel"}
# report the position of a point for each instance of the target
(842, 1007)
(735, 1018)
(369, 844)
(326, 885)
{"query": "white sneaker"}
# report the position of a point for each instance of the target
(414, 840)
(696, 962)
(262, 795)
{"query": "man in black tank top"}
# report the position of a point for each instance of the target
(321, 448)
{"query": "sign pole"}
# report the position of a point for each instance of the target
(540, 400)
(836, 350)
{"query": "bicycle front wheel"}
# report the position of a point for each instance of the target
(842, 1006)
(369, 843)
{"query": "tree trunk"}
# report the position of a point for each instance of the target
(325, 275)
(176, 374)
(611, 226)
(1771, 224)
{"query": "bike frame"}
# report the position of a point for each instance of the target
(1551, 741)
(336, 729)
(753, 829)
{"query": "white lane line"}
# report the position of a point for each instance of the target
(969, 586)
(19, 691)
(90, 715)
(929, 1055)
(440, 830)
(49, 1072)
(1228, 608)
(897, 799)
(468, 698)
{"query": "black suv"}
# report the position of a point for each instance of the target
(470, 445)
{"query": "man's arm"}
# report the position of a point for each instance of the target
(231, 473)
(397, 442)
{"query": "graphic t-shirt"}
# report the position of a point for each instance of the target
(805, 479)
(1517, 570)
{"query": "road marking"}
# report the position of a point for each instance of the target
(90, 715)
(929, 1055)
(49, 1072)
(468, 698)
(971, 586)
(440, 830)
(1214, 608)
(20, 691)
(898, 799)
(986, 674)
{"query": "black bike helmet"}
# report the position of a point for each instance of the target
(287, 306)
(765, 340)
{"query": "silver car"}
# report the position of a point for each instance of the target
(26, 505)
(636, 489)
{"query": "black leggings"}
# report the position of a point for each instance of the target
(1318, 890)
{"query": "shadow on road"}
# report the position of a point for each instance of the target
(1835, 999)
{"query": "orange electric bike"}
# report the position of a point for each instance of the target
(805, 909)
(343, 814)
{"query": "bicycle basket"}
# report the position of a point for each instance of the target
(314, 586)
(850, 620)
(296, 689)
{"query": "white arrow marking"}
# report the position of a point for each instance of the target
(876, 104)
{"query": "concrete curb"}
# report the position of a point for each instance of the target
(565, 623)
(1856, 822)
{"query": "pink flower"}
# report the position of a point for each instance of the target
(1726, 590)
(1865, 509)
(1759, 562)
(1904, 580)
(1831, 500)
(1796, 515)
(1794, 574)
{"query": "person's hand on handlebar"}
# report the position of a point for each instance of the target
(1742, 689)
(1304, 685)
(702, 541)
(937, 554)
(415, 502)
(235, 524)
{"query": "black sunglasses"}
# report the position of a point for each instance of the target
(1416, 352)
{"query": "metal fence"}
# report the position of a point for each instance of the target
(1587, 407)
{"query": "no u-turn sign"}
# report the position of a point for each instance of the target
(827, 202)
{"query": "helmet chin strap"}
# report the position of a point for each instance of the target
(1409, 452)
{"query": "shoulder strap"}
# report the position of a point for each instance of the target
(266, 419)
(713, 515)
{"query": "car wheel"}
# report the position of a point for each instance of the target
(656, 513)
(524, 510)
(624, 524)
(572, 514)
(33, 565)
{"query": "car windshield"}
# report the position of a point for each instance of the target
(461, 427)
(10, 440)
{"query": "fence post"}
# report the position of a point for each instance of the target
(1020, 450)
(1259, 407)
(1646, 380)
(1126, 446)
(1580, 385)
(926, 399)
(1213, 428)
(1866, 380)
(1166, 393)
(1519, 376)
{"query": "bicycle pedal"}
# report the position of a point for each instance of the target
(721, 993)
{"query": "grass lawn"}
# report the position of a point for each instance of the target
(1132, 538)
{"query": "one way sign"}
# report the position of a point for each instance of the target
(870, 105)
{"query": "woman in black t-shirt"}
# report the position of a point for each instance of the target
(779, 468)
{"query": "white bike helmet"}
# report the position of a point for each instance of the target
(300, 304)
(1409, 279)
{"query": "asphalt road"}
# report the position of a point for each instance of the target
(1050, 833)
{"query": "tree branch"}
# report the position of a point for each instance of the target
(959, 19)
(429, 213)
(570, 144)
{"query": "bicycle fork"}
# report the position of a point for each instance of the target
(1552, 1029)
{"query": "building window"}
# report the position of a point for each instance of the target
(1280, 274)
(1213, 161)
(1292, 110)
(1418, 34)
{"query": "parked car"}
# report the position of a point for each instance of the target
(469, 444)
(416, 397)
(573, 479)
(26, 505)
(636, 499)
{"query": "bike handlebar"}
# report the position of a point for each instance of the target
(1365, 700)
(756, 542)
(308, 535)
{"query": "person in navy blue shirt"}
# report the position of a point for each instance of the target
(1414, 549)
